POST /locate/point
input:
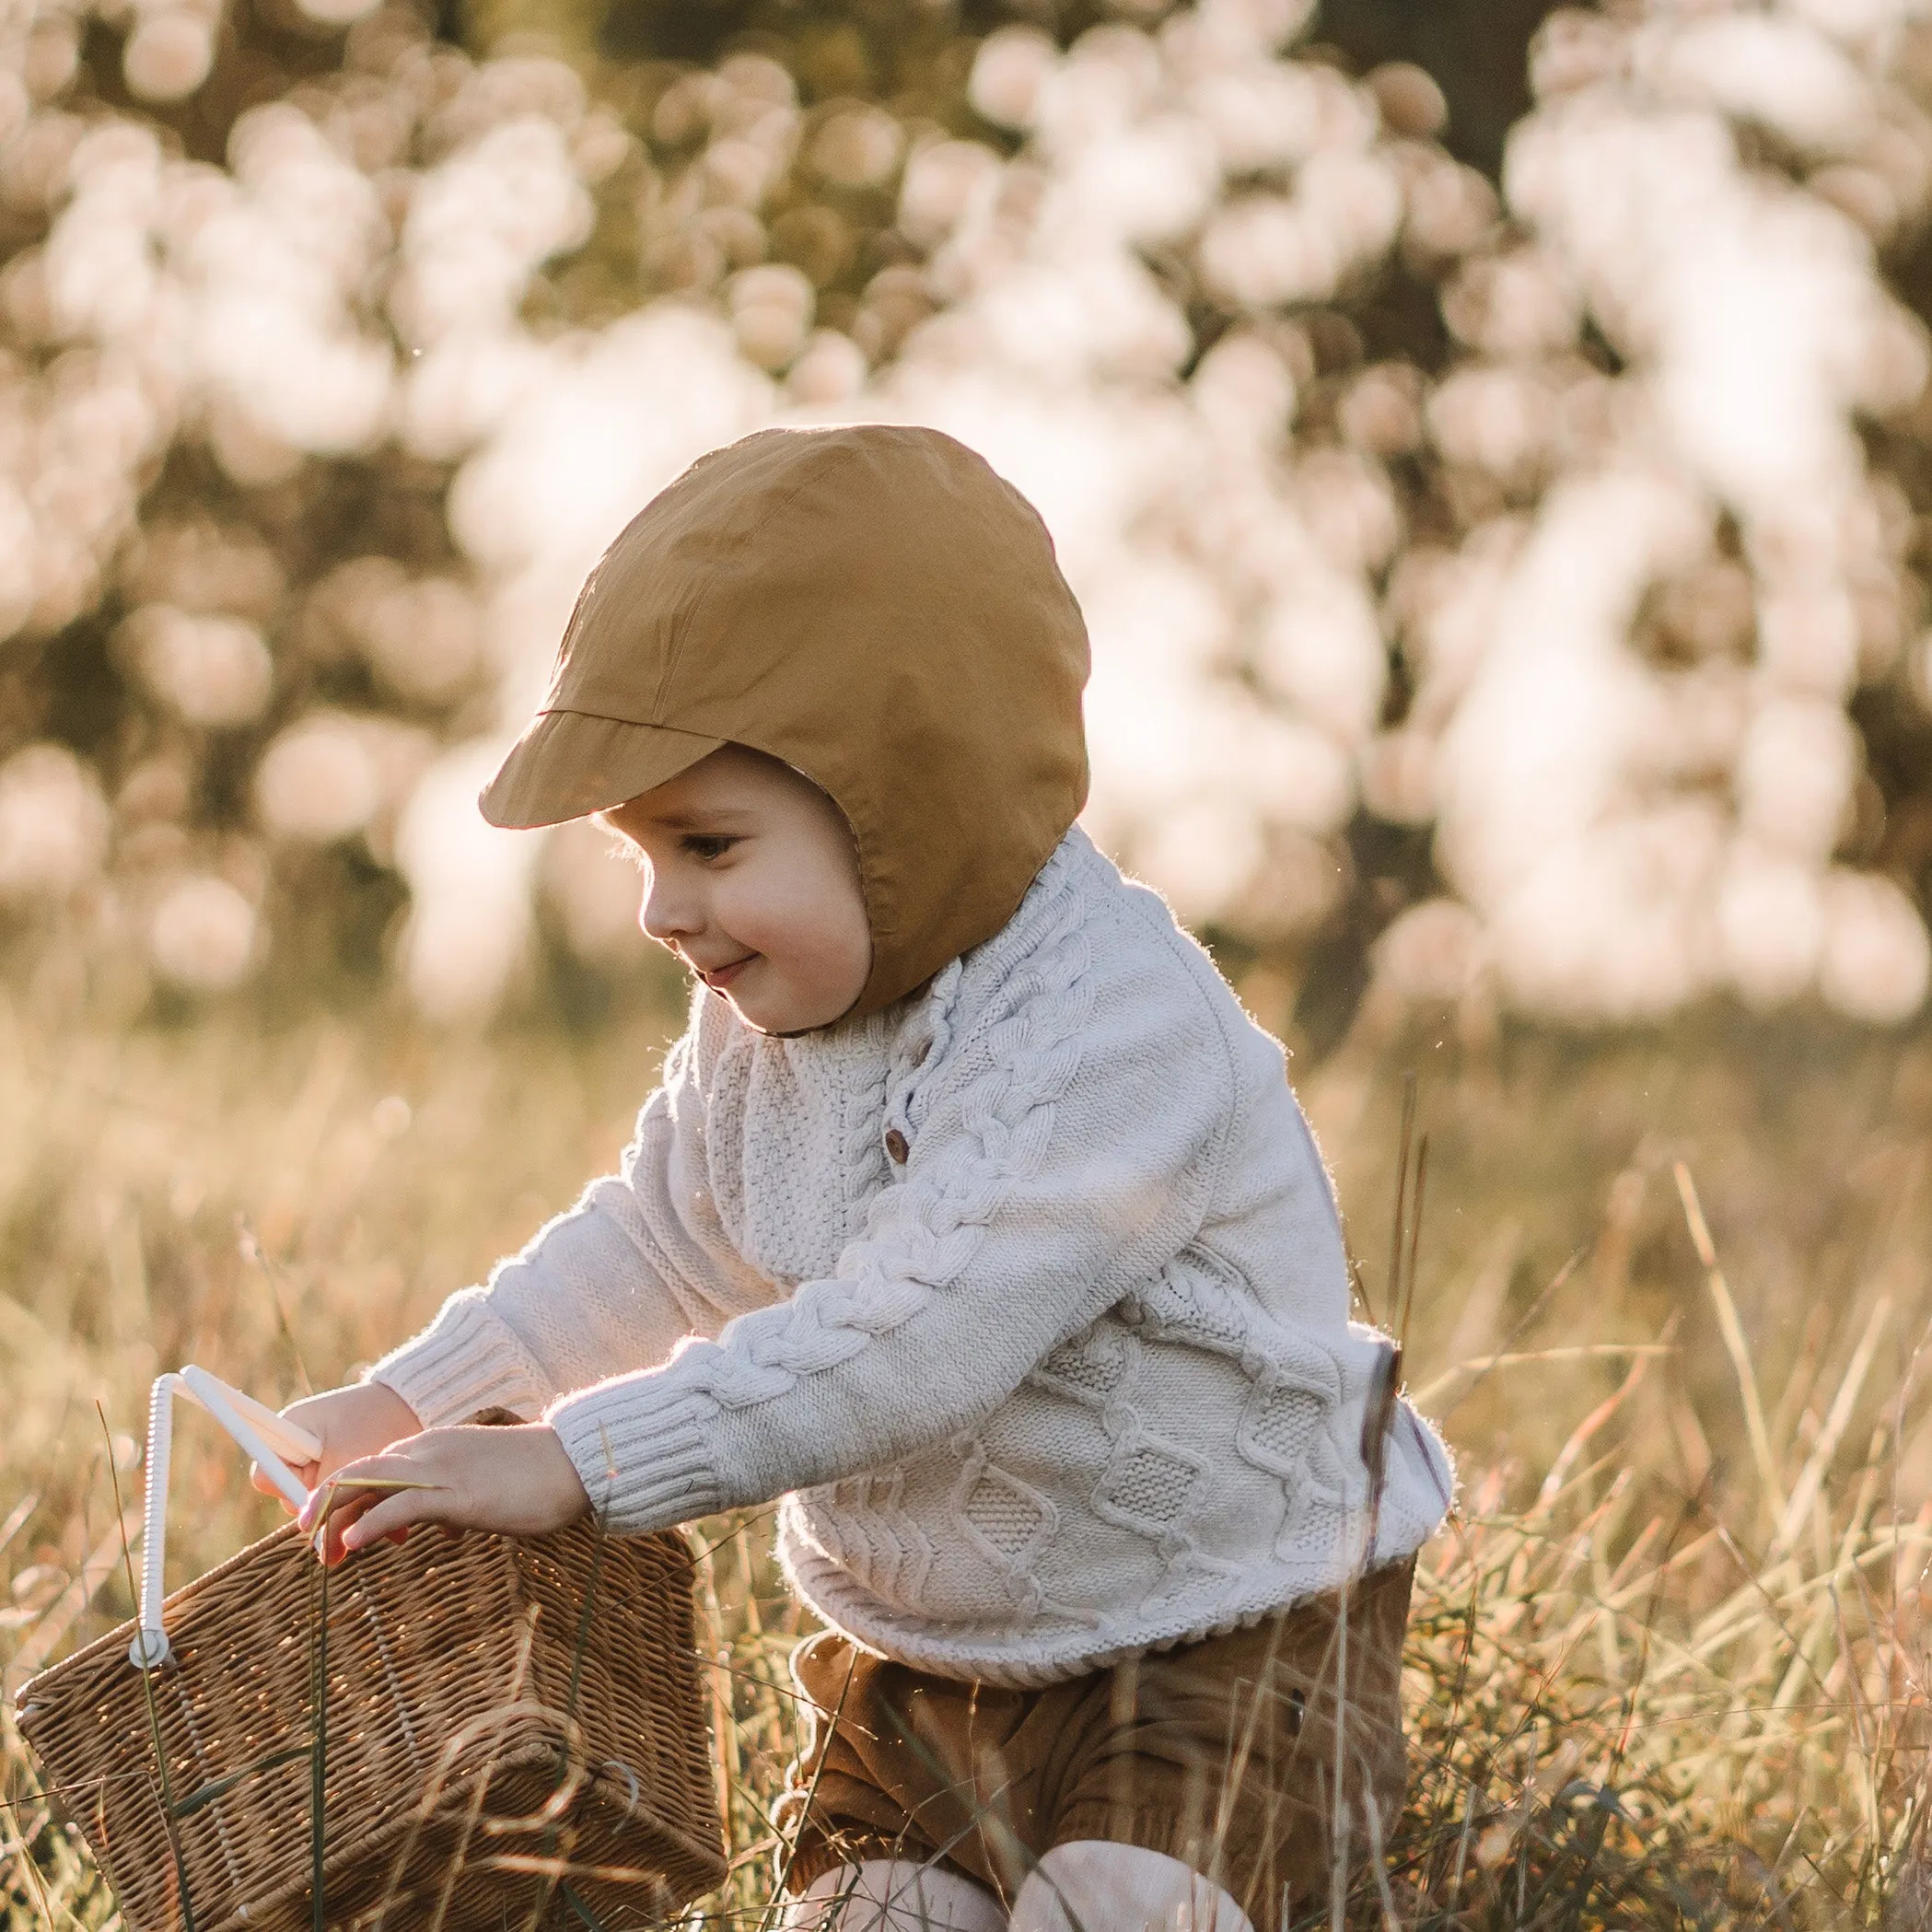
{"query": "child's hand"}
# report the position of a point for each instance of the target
(518, 1481)
(350, 1422)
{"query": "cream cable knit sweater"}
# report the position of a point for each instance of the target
(1027, 1295)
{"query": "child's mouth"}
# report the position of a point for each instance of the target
(719, 977)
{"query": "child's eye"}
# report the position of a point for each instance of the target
(706, 845)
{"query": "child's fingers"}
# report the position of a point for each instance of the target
(304, 1472)
(394, 1514)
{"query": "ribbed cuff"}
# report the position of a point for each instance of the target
(640, 1449)
(465, 1361)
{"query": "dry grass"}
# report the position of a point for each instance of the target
(1666, 1668)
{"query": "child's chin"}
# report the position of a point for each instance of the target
(772, 1015)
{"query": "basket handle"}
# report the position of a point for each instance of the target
(268, 1437)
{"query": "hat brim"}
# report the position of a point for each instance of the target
(571, 763)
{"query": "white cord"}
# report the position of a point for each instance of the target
(253, 1427)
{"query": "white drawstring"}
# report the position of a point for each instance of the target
(255, 1428)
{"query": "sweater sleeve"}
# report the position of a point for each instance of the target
(1066, 1152)
(636, 1266)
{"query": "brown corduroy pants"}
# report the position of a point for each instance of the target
(1223, 1753)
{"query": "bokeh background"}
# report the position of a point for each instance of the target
(1492, 446)
(1489, 444)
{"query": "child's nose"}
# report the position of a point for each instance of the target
(665, 913)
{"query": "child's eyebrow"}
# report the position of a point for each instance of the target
(698, 819)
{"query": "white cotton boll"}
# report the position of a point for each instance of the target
(1862, 194)
(66, 579)
(1513, 305)
(943, 185)
(1808, 637)
(319, 781)
(1448, 604)
(758, 80)
(167, 56)
(117, 165)
(509, 86)
(457, 391)
(1264, 250)
(335, 400)
(1243, 390)
(17, 546)
(1753, 325)
(1106, 82)
(1199, 855)
(1794, 775)
(202, 936)
(1398, 776)
(1770, 926)
(618, 417)
(1350, 510)
(211, 671)
(53, 823)
(1450, 208)
(309, 220)
(1616, 924)
(1157, 612)
(274, 278)
(337, 13)
(857, 147)
(1858, 23)
(108, 417)
(737, 173)
(1432, 953)
(15, 105)
(1356, 198)
(1697, 727)
(246, 450)
(830, 371)
(772, 309)
(1008, 72)
(98, 267)
(1260, 116)
(482, 223)
(1095, 312)
(1541, 744)
(1492, 419)
(1285, 771)
(470, 913)
(1887, 359)
(1757, 67)
(422, 637)
(1380, 411)
(1145, 184)
(1877, 961)
(101, 277)
(1322, 651)
(1245, 29)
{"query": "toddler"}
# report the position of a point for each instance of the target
(973, 1218)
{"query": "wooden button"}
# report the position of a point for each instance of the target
(895, 1145)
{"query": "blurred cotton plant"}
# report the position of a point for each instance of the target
(1632, 673)
(1540, 523)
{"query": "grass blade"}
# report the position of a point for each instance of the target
(1735, 1345)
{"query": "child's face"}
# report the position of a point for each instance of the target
(752, 879)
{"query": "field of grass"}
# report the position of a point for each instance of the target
(1667, 1665)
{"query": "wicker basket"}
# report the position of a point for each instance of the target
(514, 1735)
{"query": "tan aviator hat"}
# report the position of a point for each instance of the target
(876, 608)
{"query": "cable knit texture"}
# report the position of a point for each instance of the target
(1027, 1294)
